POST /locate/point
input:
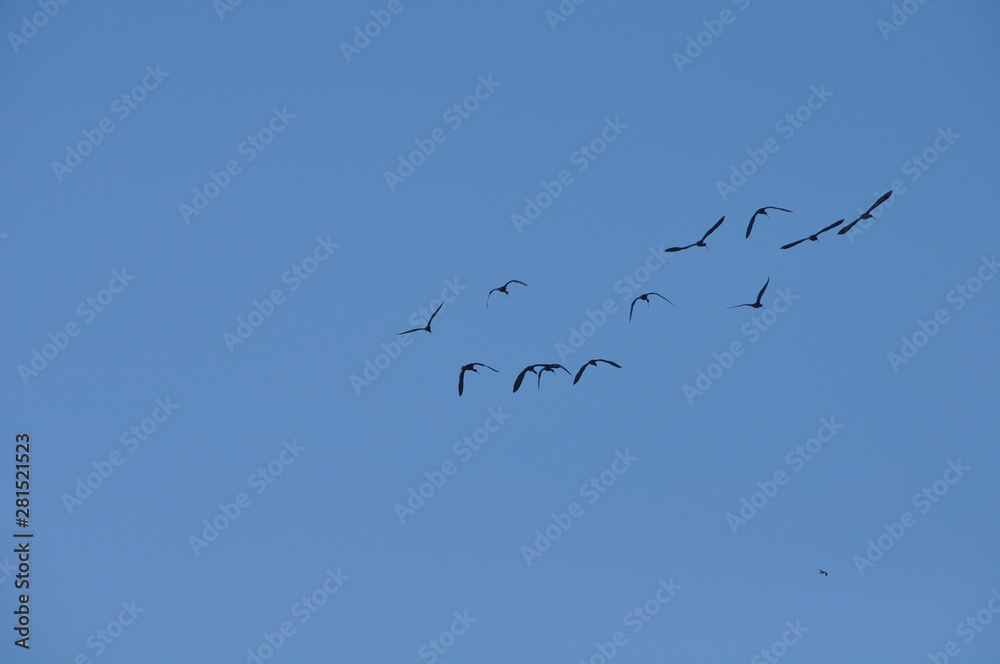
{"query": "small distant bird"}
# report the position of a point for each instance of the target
(762, 211)
(822, 572)
(520, 377)
(757, 304)
(425, 328)
(503, 289)
(815, 236)
(470, 367)
(552, 368)
(867, 214)
(594, 363)
(701, 242)
(644, 296)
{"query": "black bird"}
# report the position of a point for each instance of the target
(757, 304)
(425, 328)
(822, 572)
(762, 211)
(549, 367)
(701, 242)
(815, 236)
(503, 289)
(867, 214)
(594, 363)
(470, 367)
(644, 296)
(520, 377)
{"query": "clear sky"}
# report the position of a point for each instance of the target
(217, 218)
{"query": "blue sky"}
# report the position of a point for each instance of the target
(218, 217)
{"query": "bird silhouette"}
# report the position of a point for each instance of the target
(757, 304)
(503, 289)
(701, 242)
(425, 328)
(822, 572)
(868, 213)
(520, 377)
(552, 368)
(762, 211)
(815, 236)
(593, 363)
(644, 296)
(470, 367)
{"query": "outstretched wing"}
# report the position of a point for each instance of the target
(520, 376)
(712, 229)
(659, 296)
(580, 373)
(488, 296)
(461, 381)
(614, 364)
(439, 309)
(792, 244)
(833, 225)
(753, 219)
(882, 199)
(480, 364)
(761, 293)
(514, 281)
(848, 227)
(678, 248)
(632, 308)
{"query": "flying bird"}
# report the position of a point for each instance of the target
(503, 289)
(549, 367)
(520, 377)
(644, 296)
(762, 211)
(815, 236)
(867, 214)
(425, 328)
(757, 304)
(822, 572)
(701, 242)
(594, 363)
(470, 367)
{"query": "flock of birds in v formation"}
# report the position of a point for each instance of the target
(539, 369)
